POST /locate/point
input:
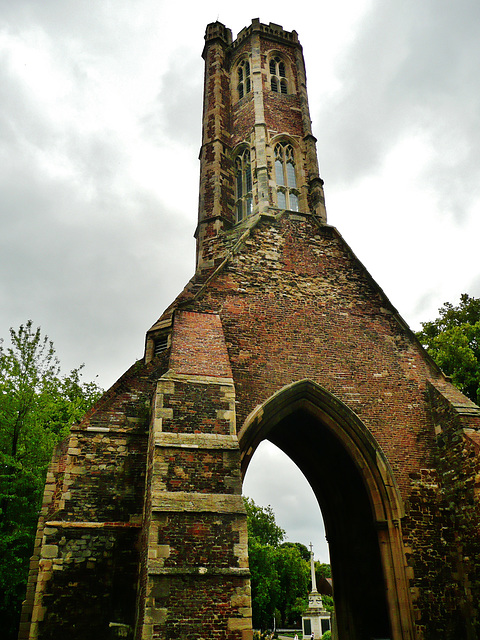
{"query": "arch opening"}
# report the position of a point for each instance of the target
(274, 480)
(360, 505)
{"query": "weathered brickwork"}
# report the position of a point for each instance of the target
(283, 112)
(444, 522)
(206, 540)
(199, 412)
(243, 120)
(215, 604)
(205, 471)
(293, 277)
(103, 567)
(105, 478)
(280, 334)
(91, 517)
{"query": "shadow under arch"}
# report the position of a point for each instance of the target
(359, 500)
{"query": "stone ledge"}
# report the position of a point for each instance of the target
(181, 501)
(197, 571)
(171, 376)
(112, 431)
(93, 525)
(196, 440)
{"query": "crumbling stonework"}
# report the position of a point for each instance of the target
(282, 335)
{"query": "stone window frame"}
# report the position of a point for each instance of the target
(286, 174)
(243, 182)
(279, 74)
(242, 76)
(158, 340)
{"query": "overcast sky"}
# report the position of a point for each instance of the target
(100, 128)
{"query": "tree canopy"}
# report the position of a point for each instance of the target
(279, 573)
(37, 407)
(453, 341)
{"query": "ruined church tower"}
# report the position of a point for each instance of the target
(281, 334)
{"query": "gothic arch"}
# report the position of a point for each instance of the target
(356, 491)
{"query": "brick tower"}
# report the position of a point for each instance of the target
(281, 334)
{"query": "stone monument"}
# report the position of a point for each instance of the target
(316, 618)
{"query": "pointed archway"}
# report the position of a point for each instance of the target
(360, 504)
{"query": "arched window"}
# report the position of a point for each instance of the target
(278, 75)
(243, 185)
(244, 84)
(285, 177)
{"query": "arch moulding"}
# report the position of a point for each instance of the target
(373, 466)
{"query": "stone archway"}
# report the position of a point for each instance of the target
(360, 503)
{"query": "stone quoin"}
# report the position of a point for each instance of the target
(281, 334)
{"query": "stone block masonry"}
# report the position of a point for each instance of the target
(196, 538)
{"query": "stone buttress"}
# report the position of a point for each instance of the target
(195, 564)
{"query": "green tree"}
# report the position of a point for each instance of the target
(303, 550)
(279, 573)
(261, 524)
(453, 341)
(37, 407)
(322, 570)
(294, 577)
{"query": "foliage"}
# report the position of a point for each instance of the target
(20, 494)
(261, 524)
(327, 635)
(453, 341)
(294, 574)
(324, 571)
(304, 552)
(279, 574)
(328, 602)
(37, 407)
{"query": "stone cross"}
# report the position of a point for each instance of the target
(312, 569)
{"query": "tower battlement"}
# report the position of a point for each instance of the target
(217, 30)
(271, 30)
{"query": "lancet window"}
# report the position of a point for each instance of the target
(278, 75)
(243, 185)
(286, 177)
(244, 84)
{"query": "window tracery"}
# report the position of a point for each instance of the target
(278, 75)
(244, 83)
(243, 185)
(286, 177)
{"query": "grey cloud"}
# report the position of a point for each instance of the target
(89, 261)
(177, 111)
(474, 287)
(107, 282)
(412, 68)
(71, 21)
